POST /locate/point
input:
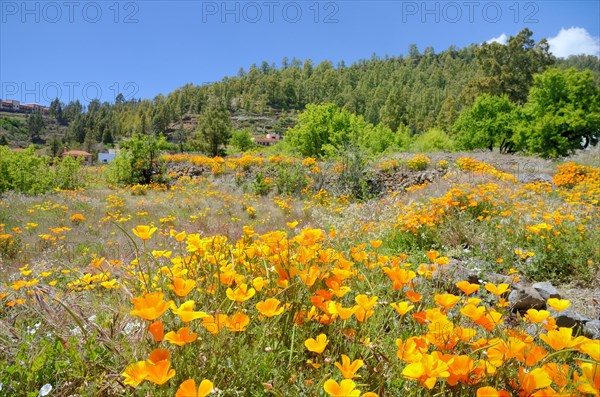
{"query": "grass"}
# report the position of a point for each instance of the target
(333, 263)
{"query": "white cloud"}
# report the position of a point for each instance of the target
(502, 39)
(574, 41)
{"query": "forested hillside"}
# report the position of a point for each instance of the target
(419, 91)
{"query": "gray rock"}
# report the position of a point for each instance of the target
(524, 298)
(446, 276)
(591, 329)
(570, 319)
(546, 290)
(498, 278)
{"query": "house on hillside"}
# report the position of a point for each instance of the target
(10, 105)
(105, 158)
(270, 140)
(87, 157)
(33, 108)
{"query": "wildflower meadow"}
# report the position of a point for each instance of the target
(281, 276)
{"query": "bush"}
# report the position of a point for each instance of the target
(434, 140)
(420, 162)
(242, 140)
(25, 172)
(138, 161)
(325, 130)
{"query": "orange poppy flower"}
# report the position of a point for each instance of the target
(558, 373)
(537, 316)
(375, 243)
(237, 323)
(186, 311)
(534, 354)
(473, 312)
(160, 372)
(361, 314)
(490, 320)
(533, 380)
(178, 236)
(497, 289)
(446, 301)
(344, 312)
(365, 302)
(420, 317)
(181, 286)
(135, 373)
(460, 369)
(144, 232)
(559, 339)
(400, 277)
(467, 288)
(348, 368)
(259, 283)
(558, 304)
(412, 349)
(317, 345)
(215, 324)
(149, 306)
(489, 391)
(402, 307)
(158, 355)
(241, 293)
(413, 296)
(589, 381)
(188, 389)
(346, 388)
(157, 330)
(591, 348)
(427, 370)
(184, 335)
(270, 307)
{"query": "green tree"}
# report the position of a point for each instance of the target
(56, 110)
(379, 138)
(54, 147)
(509, 69)
(138, 161)
(72, 110)
(489, 123)
(78, 128)
(107, 137)
(562, 113)
(321, 128)
(3, 140)
(326, 130)
(242, 140)
(161, 116)
(393, 112)
(35, 125)
(214, 129)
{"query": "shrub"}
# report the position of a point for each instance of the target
(138, 161)
(420, 162)
(442, 164)
(291, 179)
(434, 140)
(25, 172)
(242, 140)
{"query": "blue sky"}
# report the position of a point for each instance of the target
(88, 49)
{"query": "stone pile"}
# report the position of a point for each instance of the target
(522, 297)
